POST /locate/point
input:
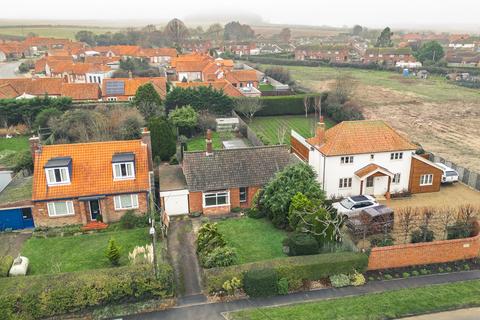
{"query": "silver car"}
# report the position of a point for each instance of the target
(351, 205)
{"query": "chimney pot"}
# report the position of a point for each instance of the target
(35, 146)
(146, 139)
(209, 143)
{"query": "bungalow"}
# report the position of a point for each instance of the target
(124, 89)
(366, 157)
(220, 85)
(243, 78)
(216, 181)
(87, 182)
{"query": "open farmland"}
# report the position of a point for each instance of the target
(444, 118)
(66, 32)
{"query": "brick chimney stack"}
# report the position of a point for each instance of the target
(146, 139)
(320, 131)
(35, 146)
(208, 140)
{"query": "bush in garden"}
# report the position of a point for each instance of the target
(128, 220)
(415, 273)
(5, 265)
(209, 238)
(388, 277)
(283, 286)
(406, 275)
(254, 213)
(301, 244)
(230, 286)
(340, 280)
(422, 235)
(459, 230)
(219, 257)
(261, 283)
(113, 252)
(357, 279)
(141, 255)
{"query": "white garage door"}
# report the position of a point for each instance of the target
(176, 202)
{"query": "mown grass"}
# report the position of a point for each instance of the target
(253, 239)
(435, 88)
(269, 126)
(387, 305)
(15, 144)
(82, 252)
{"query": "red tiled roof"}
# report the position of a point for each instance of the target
(40, 63)
(91, 169)
(371, 168)
(131, 85)
(242, 76)
(224, 85)
(362, 136)
(158, 52)
(81, 91)
(7, 91)
(38, 87)
(119, 50)
(76, 68)
(101, 59)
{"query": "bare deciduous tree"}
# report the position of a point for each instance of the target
(446, 218)
(248, 107)
(342, 89)
(407, 218)
(281, 133)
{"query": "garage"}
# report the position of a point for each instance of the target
(16, 219)
(173, 190)
(175, 202)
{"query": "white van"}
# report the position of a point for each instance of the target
(449, 175)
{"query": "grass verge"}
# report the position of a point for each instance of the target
(387, 305)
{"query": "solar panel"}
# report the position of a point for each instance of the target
(115, 88)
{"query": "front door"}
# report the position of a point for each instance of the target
(369, 189)
(94, 209)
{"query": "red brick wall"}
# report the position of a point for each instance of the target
(424, 253)
(82, 212)
(195, 202)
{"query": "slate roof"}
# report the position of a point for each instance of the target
(233, 168)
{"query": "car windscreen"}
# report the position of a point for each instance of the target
(451, 173)
(347, 204)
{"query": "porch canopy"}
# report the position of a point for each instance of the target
(373, 170)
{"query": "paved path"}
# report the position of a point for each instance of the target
(8, 69)
(462, 314)
(214, 311)
(181, 245)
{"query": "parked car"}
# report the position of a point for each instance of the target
(374, 220)
(449, 175)
(350, 205)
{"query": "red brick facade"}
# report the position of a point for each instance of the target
(195, 200)
(82, 213)
(424, 253)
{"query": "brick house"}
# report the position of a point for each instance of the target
(216, 181)
(333, 53)
(124, 89)
(388, 56)
(77, 183)
(366, 157)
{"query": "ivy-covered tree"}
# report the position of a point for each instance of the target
(278, 193)
(163, 138)
(431, 51)
(184, 118)
(176, 31)
(236, 31)
(200, 98)
(148, 101)
(385, 38)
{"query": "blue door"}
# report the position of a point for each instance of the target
(14, 219)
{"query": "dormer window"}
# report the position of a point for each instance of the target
(123, 166)
(57, 171)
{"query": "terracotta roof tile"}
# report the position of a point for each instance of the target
(363, 136)
(369, 169)
(40, 86)
(91, 169)
(241, 76)
(131, 85)
(158, 52)
(81, 91)
(224, 85)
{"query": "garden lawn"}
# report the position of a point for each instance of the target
(19, 143)
(83, 252)
(266, 87)
(387, 305)
(269, 126)
(253, 239)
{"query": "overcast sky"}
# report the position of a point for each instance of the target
(373, 13)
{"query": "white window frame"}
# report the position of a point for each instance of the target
(119, 165)
(426, 179)
(52, 210)
(396, 156)
(112, 98)
(215, 194)
(346, 160)
(131, 98)
(345, 183)
(396, 178)
(240, 194)
(117, 202)
(65, 171)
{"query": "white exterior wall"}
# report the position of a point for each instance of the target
(98, 77)
(3, 56)
(334, 170)
(190, 76)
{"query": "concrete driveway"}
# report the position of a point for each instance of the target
(462, 314)
(9, 69)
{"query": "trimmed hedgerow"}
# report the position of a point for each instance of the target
(301, 244)
(36, 297)
(294, 269)
(5, 265)
(261, 283)
(285, 105)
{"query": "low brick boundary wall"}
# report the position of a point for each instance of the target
(424, 253)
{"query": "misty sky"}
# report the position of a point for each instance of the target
(372, 13)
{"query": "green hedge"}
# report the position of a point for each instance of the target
(5, 265)
(294, 269)
(261, 283)
(284, 105)
(35, 297)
